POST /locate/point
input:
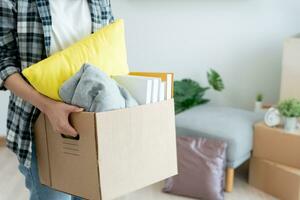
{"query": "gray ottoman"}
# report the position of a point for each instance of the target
(234, 126)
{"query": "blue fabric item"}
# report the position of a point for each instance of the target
(37, 190)
(91, 89)
(234, 126)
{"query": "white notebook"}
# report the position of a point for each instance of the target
(162, 89)
(139, 87)
(155, 89)
(165, 77)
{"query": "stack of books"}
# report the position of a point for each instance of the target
(148, 87)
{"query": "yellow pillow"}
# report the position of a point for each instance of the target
(105, 49)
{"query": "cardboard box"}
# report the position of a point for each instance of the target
(290, 80)
(275, 145)
(2, 141)
(117, 152)
(278, 180)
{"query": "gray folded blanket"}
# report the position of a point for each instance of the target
(93, 90)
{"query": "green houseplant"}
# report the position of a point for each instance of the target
(290, 110)
(259, 97)
(258, 103)
(189, 93)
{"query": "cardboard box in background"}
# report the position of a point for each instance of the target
(278, 180)
(2, 141)
(118, 151)
(275, 145)
(290, 79)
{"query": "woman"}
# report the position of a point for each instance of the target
(31, 30)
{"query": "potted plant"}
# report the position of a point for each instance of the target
(290, 110)
(258, 103)
(189, 93)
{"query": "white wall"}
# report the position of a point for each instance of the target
(242, 39)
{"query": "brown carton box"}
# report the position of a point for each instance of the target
(118, 151)
(275, 145)
(278, 180)
(290, 69)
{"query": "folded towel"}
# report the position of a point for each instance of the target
(93, 90)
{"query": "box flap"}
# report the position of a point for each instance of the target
(136, 147)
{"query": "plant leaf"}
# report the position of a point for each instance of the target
(215, 80)
(289, 108)
(187, 94)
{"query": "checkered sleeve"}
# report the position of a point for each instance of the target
(110, 13)
(8, 47)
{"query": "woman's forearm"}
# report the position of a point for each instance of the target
(57, 112)
(21, 88)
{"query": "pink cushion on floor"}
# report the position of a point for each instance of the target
(201, 165)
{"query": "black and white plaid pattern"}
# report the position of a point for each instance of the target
(25, 29)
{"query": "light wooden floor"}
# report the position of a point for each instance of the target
(12, 185)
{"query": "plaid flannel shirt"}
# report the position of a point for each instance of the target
(25, 29)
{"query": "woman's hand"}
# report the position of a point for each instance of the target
(57, 112)
(58, 115)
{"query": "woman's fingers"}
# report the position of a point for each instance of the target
(75, 109)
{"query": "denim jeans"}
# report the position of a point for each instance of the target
(37, 190)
